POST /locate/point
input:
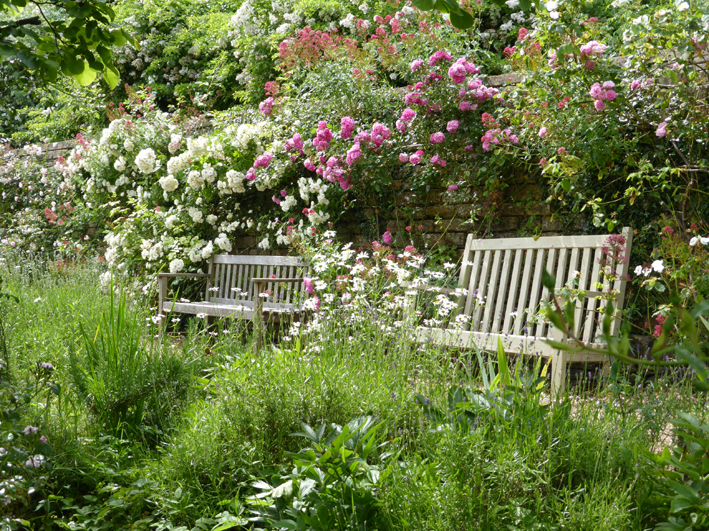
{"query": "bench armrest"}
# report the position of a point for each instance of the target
(162, 284)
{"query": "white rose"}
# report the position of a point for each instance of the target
(176, 265)
(169, 183)
(128, 145)
(146, 161)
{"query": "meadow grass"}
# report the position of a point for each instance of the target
(218, 417)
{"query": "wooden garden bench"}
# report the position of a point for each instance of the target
(256, 288)
(503, 279)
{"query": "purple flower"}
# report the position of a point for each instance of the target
(661, 130)
(416, 64)
(452, 187)
(452, 126)
(386, 238)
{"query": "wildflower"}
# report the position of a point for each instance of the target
(661, 131)
(416, 64)
(694, 241)
(387, 238)
(658, 266)
(452, 126)
(452, 187)
(542, 132)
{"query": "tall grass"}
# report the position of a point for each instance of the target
(222, 418)
(128, 381)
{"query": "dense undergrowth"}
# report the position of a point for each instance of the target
(197, 451)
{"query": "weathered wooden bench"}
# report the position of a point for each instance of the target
(256, 288)
(503, 279)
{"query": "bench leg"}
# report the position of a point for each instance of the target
(558, 374)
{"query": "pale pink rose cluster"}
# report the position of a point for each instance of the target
(602, 93)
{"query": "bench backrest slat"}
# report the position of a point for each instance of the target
(504, 277)
(230, 278)
(499, 311)
(512, 292)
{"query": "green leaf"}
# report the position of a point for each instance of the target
(525, 5)
(284, 490)
(548, 281)
(462, 20)
(680, 504)
(74, 65)
(424, 5)
(86, 77)
(566, 184)
(288, 524)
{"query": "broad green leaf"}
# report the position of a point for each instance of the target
(424, 5)
(462, 20)
(525, 5)
(284, 490)
(74, 66)
(680, 503)
(86, 77)
(119, 38)
(288, 524)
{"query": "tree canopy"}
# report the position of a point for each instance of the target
(71, 37)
